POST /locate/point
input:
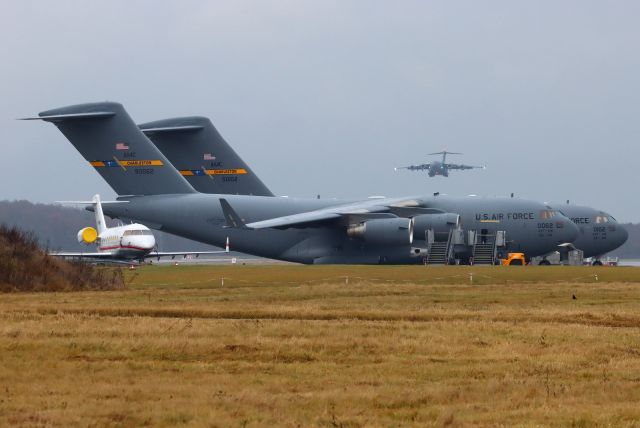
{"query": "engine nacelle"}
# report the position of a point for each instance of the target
(88, 235)
(385, 231)
(440, 223)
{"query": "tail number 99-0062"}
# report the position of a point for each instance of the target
(144, 171)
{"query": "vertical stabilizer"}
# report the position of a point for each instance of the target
(110, 141)
(203, 157)
(97, 207)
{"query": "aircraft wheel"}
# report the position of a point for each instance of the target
(596, 263)
(544, 263)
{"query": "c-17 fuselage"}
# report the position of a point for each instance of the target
(201, 217)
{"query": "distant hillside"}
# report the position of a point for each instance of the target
(56, 226)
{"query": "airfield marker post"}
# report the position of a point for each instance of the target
(470, 277)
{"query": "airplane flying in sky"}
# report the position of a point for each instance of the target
(404, 230)
(440, 167)
(121, 243)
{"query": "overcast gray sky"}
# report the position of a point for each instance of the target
(328, 96)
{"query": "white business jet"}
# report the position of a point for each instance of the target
(121, 243)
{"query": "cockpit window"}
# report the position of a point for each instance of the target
(602, 219)
(547, 214)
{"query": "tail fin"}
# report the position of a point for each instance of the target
(203, 157)
(112, 143)
(97, 207)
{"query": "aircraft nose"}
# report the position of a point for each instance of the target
(146, 242)
(621, 236)
(151, 242)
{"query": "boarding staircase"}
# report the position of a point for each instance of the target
(443, 247)
(438, 251)
(485, 248)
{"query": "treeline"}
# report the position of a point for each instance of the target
(55, 227)
(24, 266)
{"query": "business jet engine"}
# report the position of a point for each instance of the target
(384, 231)
(88, 235)
(439, 223)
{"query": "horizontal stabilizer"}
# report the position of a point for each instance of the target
(88, 202)
(72, 116)
(184, 128)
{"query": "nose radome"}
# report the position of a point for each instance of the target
(623, 235)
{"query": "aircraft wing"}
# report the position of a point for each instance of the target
(421, 167)
(459, 166)
(159, 254)
(379, 208)
(83, 255)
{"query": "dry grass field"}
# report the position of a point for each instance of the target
(328, 346)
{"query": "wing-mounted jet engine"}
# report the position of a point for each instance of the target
(440, 224)
(384, 231)
(87, 235)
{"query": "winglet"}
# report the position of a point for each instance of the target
(233, 219)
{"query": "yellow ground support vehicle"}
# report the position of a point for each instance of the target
(514, 259)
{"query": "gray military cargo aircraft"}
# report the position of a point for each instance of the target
(404, 230)
(599, 232)
(439, 167)
(183, 140)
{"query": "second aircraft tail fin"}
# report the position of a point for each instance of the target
(203, 157)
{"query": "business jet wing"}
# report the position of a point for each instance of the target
(104, 255)
(462, 167)
(358, 211)
(174, 254)
(421, 167)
